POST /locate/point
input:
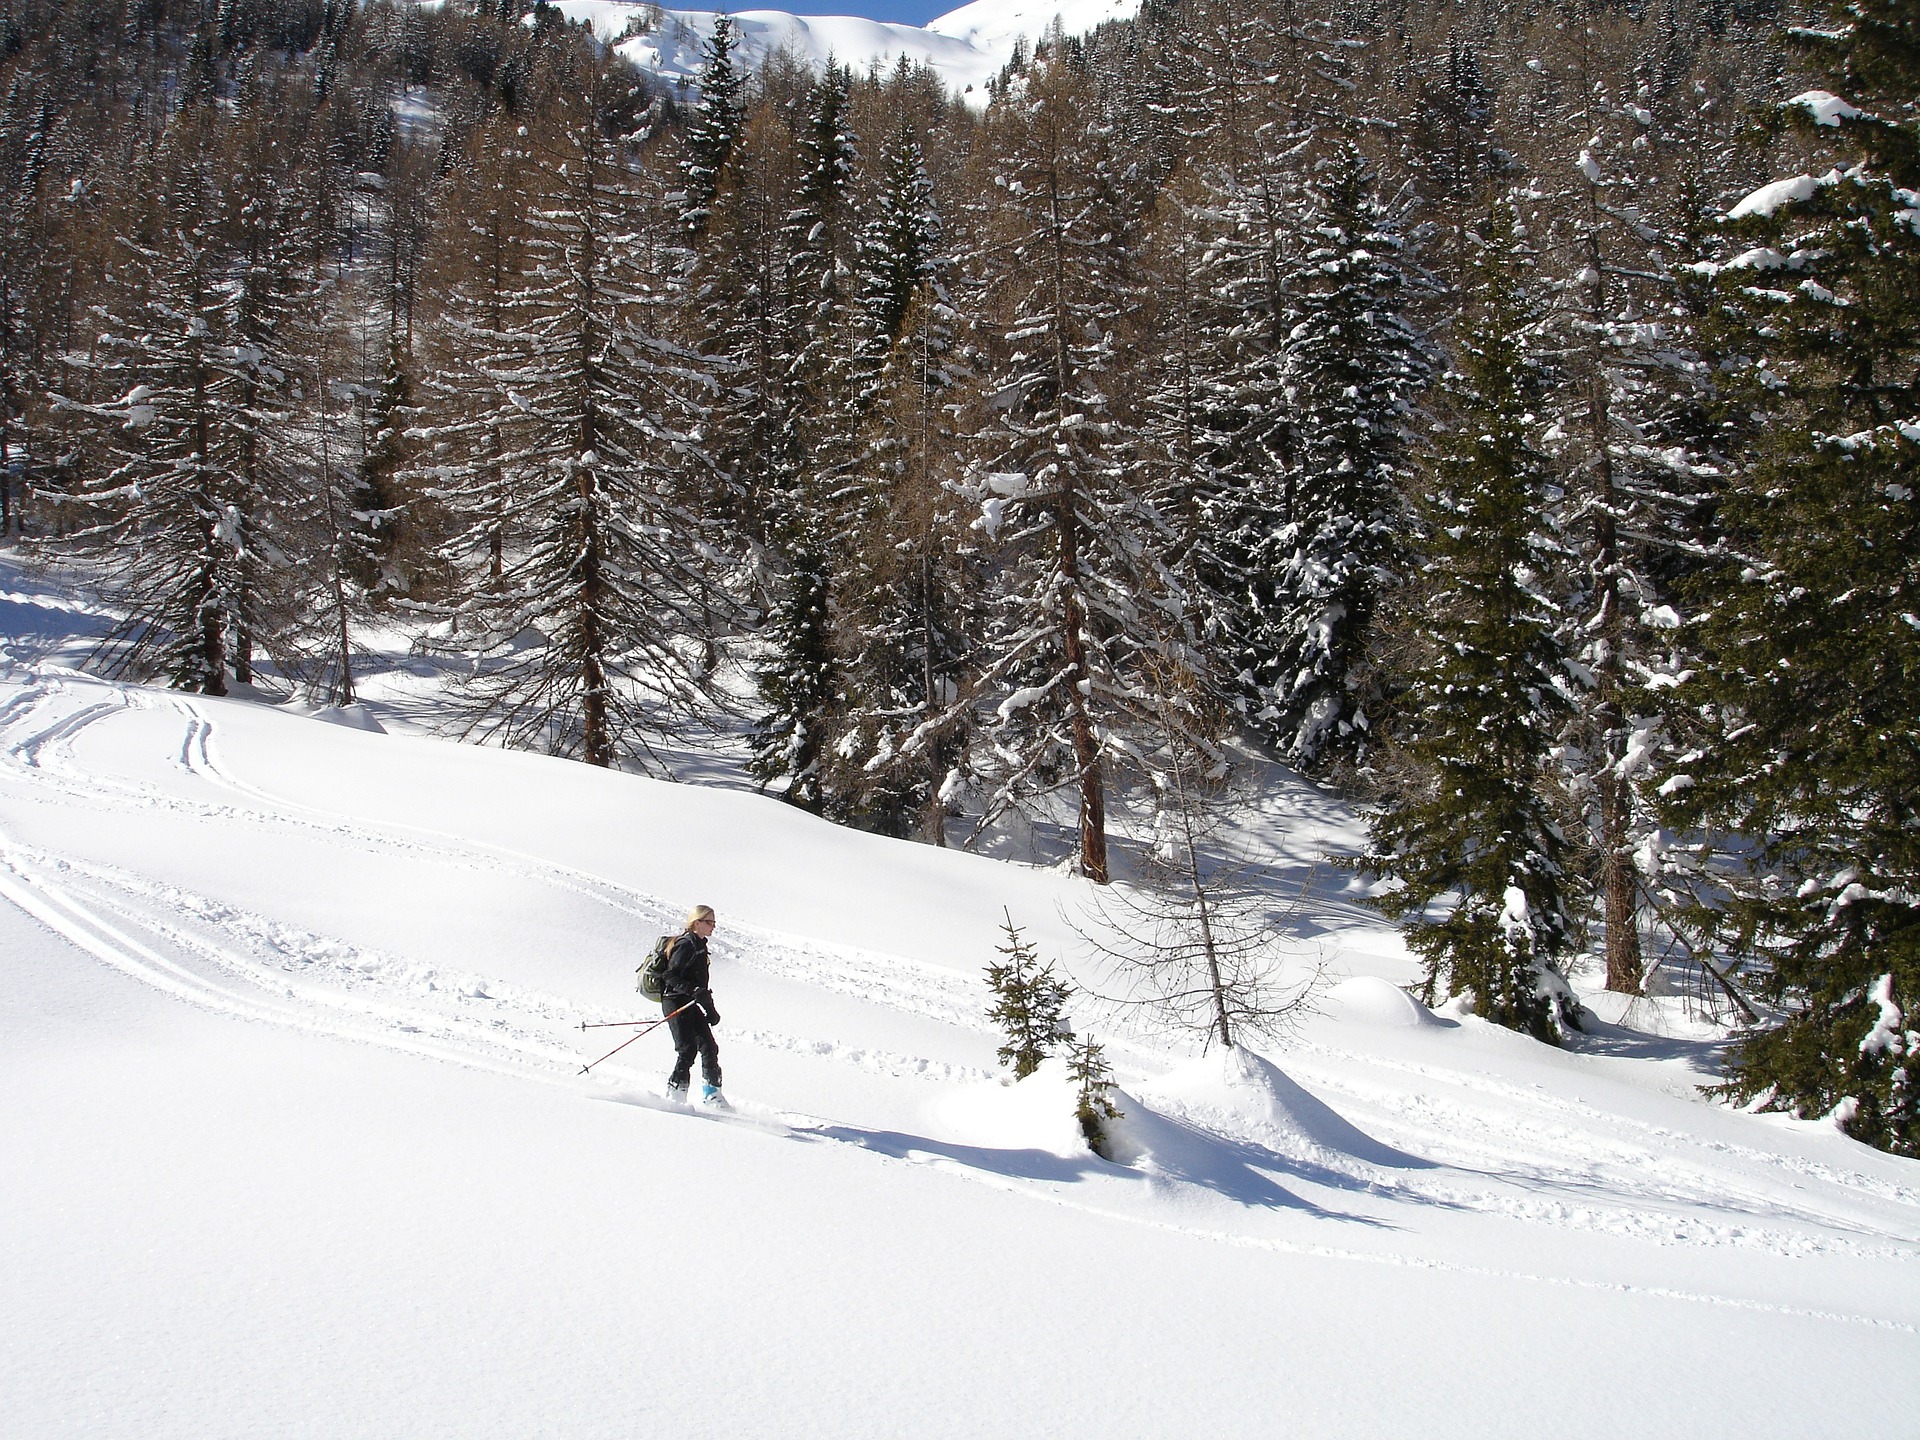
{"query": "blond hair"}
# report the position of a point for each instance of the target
(697, 914)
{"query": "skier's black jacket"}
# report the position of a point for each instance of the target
(685, 977)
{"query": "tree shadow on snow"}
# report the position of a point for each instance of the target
(1704, 1056)
(1181, 1154)
(34, 629)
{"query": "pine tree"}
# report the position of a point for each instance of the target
(1474, 826)
(1215, 438)
(187, 386)
(1356, 366)
(587, 644)
(799, 678)
(822, 236)
(905, 608)
(1811, 680)
(900, 248)
(799, 681)
(1085, 591)
(1029, 1004)
(738, 308)
(1087, 1067)
(1226, 417)
(718, 120)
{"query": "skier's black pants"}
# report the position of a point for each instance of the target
(691, 1036)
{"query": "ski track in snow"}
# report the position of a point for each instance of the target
(45, 751)
(1405, 1260)
(1443, 1109)
(1498, 1148)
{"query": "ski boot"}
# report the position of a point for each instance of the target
(711, 1097)
(676, 1095)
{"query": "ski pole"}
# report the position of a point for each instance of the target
(615, 1024)
(635, 1036)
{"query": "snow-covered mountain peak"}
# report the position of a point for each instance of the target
(965, 47)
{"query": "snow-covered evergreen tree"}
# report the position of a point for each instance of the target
(1470, 842)
(900, 251)
(1811, 677)
(718, 119)
(798, 677)
(737, 308)
(1088, 1068)
(905, 608)
(822, 237)
(1355, 367)
(1214, 438)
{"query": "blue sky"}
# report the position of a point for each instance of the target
(903, 12)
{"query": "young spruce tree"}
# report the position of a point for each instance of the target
(1471, 843)
(1029, 1004)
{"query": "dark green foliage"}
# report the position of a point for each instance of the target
(1087, 1067)
(384, 459)
(1804, 710)
(907, 598)
(1470, 841)
(1029, 1005)
(714, 131)
(1356, 366)
(900, 248)
(798, 682)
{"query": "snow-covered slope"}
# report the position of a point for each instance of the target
(966, 47)
(295, 1141)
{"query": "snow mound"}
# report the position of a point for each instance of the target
(1036, 1113)
(1370, 1000)
(1244, 1096)
(353, 717)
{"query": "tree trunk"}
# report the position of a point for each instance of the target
(934, 820)
(1619, 885)
(1086, 750)
(213, 625)
(1214, 980)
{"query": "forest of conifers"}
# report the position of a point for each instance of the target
(1504, 410)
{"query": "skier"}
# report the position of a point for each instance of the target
(685, 988)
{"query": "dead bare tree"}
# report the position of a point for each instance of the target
(1199, 941)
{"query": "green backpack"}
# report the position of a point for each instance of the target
(652, 974)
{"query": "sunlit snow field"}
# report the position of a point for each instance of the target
(295, 1141)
